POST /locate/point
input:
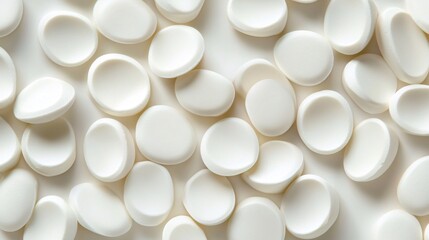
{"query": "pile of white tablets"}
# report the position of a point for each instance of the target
(167, 141)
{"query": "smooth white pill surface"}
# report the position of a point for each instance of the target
(418, 10)
(413, 188)
(18, 193)
(182, 228)
(119, 84)
(175, 50)
(50, 148)
(99, 210)
(271, 107)
(52, 219)
(408, 108)
(67, 38)
(209, 198)
(124, 21)
(162, 127)
(109, 150)
(11, 12)
(256, 218)
(229, 147)
(205, 93)
(371, 150)
(305, 57)
(403, 45)
(426, 233)
(398, 225)
(8, 75)
(44, 100)
(11, 148)
(279, 163)
(149, 193)
(258, 18)
(179, 11)
(310, 207)
(349, 25)
(369, 82)
(325, 122)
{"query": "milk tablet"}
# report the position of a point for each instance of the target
(11, 12)
(179, 11)
(8, 74)
(398, 225)
(11, 148)
(182, 228)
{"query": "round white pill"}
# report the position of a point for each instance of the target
(109, 150)
(68, 38)
(149, 193)
(52, 219)
(179, 11)
(8, 82)
(119, 84)
(49, 148)
(426, 233)
(229, 147)
(11, 12)
(418, 10)
(256, 218)
(11, 148)
(403, 45)
(279, 163)
(258, 18)
(209, 198)
(310, 207)
(305, 57)
(18, 193)
(271, 107)
(99, 210)
(369, 82)
(371, 150)
(44, 100)
(398, 225)
(175, 50)
(182, 228)
(349, 25)
(205, 93)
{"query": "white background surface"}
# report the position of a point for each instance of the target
(226, 49)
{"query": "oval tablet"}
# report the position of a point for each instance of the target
(175, 50)
(426, 233)
(204, 93)
(258, 18)
(182, 228)
(305, 57)
(413, 189)
(18, 193)
(162, 128)
(109, 150)
(52, 219)
(310, 207)
(408, 108)
(418, 10)
(44, 100)
(119, 84)
(403, 45)
(124, 21)
(349, 25)
(325, 122)
(398, 225)
(11, 149)
(369, 82)
(209, 198)
(8, 75)
(67, 38)
(149, 193)
(256, 218)
(229, 147)
(271, 107)
(179, 11)
(371, 150)
(50, 148)
(279, 163)
(11, 12)
(99, 210)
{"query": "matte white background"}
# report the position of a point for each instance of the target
(226, 49)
